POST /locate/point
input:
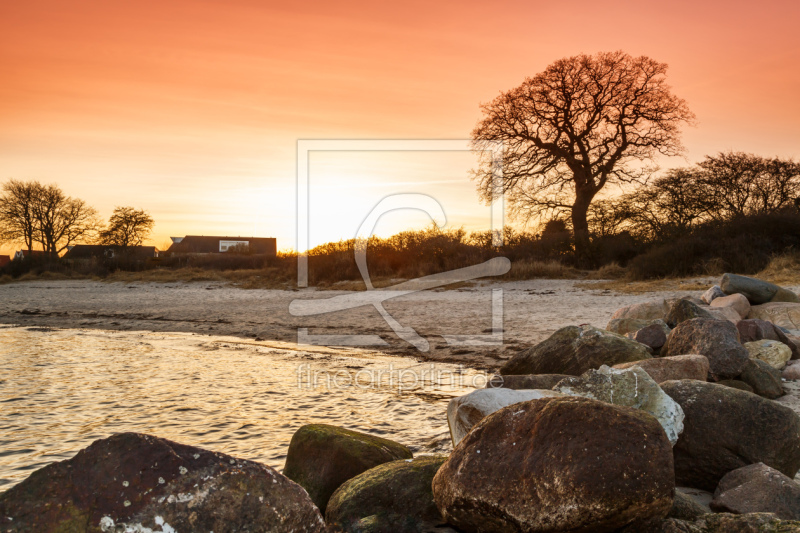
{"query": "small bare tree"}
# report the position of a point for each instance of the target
(17, 219)
(127, 227)
(583, 123)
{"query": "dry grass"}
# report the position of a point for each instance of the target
(783, 269)
(626, 286)
(527, 269)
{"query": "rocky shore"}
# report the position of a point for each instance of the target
(671, 419)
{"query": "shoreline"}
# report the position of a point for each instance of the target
(532, 310)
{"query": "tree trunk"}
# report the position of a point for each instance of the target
(580, 228)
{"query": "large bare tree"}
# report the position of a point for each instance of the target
(584, 123)
(62, 221)
(127, 227)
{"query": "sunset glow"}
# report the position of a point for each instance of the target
(192, 110)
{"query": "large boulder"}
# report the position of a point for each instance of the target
(525, 381)
(757, 291)
(757, 488)
(737, 302)
(718, 340)
(396, 497)
(573, 350)
(135, 482)
(322, 457)
(557, 464)
(684, 507)
(726, 429)
(783, 315)
(764, 379)
(690, 366)
(644, 311)
(737, 384)
(466, 411)
(754, 329)
(775, 353)
(623, 326)
(630, 387)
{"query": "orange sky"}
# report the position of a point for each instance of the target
(192, 110)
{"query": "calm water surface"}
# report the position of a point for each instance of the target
(62, 389)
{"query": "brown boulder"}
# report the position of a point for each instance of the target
(754, 329)
(737, 302)
(758, 488)
(557, 464)
(725, 429)
(652, 336)
(763, 379)
(785, 315)
(718, 340)
(135, 482)
(690, 366)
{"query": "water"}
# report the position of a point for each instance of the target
(62, 389)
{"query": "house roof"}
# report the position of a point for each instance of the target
(206, 244)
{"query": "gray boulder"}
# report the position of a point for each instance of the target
(466, 411)
(630, 387)
(757, 488)
(683, 310)
(573, 350)
(623, 326)
(711, 294)
(725, 429)
(718, 340)
(652, 336)
(755, 290)
(322, 457)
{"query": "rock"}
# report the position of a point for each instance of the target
(322, 457)
(757, 488)
(755, 290)
(683, 310)
(397, 494)
(573, 350)
(754, 329)
(557, 464)
(775, 353)
(644, 311)
(764, 380)
(652, 336)
(785, 295)
(791, 371)
(737, 384)
(623, 326)
(784, 315)
(691, 366)
(711, 294)
(685, 508)
(722, 523)
(718, 340)
(737, 302)
(525, 381)
(630, 387)
(135, 482)
(726, 429)
(466, 411)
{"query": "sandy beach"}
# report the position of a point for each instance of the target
(532, 310)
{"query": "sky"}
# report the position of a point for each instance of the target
(192, 110)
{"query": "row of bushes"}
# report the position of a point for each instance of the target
(745, 245)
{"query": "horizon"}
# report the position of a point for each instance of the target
(192, 112)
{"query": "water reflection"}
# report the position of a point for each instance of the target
(62, 389)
